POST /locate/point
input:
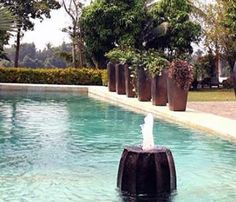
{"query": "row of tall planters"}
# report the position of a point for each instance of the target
(120, 74)
(150, 76)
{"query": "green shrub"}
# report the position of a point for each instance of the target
(228, 83)
(69, 76)
(104, 77)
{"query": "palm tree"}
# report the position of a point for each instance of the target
(6, 25)
(6, 19)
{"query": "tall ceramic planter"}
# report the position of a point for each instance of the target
(129, 83)
(111, 77)
(159, 90)
(143, 85)
(177, 97)
(120, 79)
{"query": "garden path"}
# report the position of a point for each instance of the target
(224, 109)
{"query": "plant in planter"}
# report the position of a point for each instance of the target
(124, 57)
(142, 76)
(180, 77)
(156, 65)
(115, 69)
(127, 59)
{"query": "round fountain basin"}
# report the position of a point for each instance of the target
(148, 173)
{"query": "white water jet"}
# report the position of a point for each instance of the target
(147, 131)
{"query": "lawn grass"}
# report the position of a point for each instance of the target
(202, 95)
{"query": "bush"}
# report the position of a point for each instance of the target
(182, 72)
(104, 77)
(69, 76)
(228, 83)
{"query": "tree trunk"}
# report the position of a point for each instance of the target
(234, 78)
(74, 46)
(80, 56)
(217, 63)
(16, 64)
(95, 62)
(73, 54)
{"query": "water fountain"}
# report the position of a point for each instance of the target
(146, 170)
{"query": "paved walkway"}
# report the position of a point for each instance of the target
(224, 109)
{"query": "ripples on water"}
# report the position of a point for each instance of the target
(64, 147)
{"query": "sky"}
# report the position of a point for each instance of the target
(50, 30)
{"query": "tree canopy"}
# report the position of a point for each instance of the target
(108, 23)
(181, 31)
(6, 25)
(48, 57)
(166, 26)
(25, 11)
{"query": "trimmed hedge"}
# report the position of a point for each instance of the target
(69, 76)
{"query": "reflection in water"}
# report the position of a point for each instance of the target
(160, 198)
(64, 147)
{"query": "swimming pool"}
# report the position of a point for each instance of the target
(65, 147)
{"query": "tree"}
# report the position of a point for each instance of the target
(180, 30)
(219, 31)
(165, 26)
(6, 25)
(48, 57)
(25, 11)
(74, 10)
(6, 19)
(229, 24)
(106, 24)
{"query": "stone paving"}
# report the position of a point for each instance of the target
(224, 109)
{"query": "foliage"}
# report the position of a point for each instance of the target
(25, 11)
(115, 55)
(154, 62)
(230, 15)
(68, 76)
(6, 19)
(228, 83)
(181, 72)
(104, 77)
(108, 23)
(123, 55)
(4, 36)
(151, 60)
(74, 10)
(204, 66)
(180, 30)
(6, 25)
(219, 31)
(29, 56)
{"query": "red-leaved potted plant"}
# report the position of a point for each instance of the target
(180, 77)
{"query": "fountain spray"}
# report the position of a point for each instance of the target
(147, 132)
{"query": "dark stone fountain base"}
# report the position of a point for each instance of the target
(148, 173)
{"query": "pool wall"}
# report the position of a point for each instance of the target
(215, 125)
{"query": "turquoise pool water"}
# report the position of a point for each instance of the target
(65, 147)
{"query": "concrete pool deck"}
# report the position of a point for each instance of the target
(212, 123)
